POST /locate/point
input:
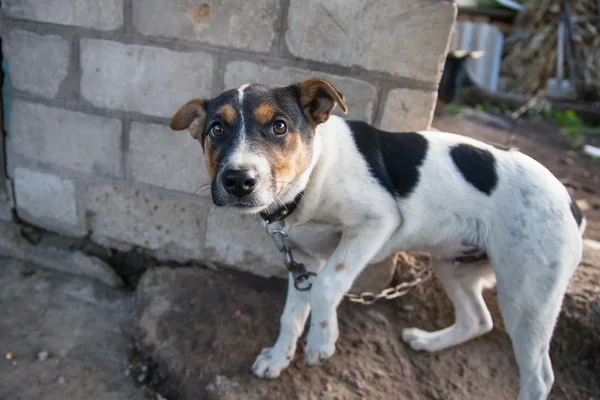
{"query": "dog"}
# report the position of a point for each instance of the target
(349, 195)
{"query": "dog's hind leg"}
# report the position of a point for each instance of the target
(463, 284)
(530, 302)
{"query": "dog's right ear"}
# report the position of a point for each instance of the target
(190, 115)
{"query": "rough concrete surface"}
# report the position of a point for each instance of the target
(239, 24)
(146, 79)
(68, 139)
(99, 14)
(402, 38)
(406, 110)
(161, 157)
(93, 83)
(172, 228)
(13, 244)
(62, 337)
(38, 63)
(48, 199)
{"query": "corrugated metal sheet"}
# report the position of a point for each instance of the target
(479, 36)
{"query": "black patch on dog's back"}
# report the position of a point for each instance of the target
(576, 211)
(477, 166)
(394, 158)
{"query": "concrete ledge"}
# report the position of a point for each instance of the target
(77, 263)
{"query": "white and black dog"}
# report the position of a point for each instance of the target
(359, 194)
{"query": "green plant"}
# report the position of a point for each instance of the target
(575, 128)
(455, 108)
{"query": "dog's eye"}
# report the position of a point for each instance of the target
(217, 130)
(279, 128)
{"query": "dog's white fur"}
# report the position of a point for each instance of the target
(347, 220)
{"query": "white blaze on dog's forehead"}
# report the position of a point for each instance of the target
(241, 112)
(243, 157)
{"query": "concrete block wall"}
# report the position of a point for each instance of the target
(94, 82)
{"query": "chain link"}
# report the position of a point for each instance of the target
(393, 292)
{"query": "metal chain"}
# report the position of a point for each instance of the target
(300, 274)
(298, 270)
(393, 292)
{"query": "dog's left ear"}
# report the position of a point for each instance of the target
(318, 98)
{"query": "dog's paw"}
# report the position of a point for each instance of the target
(419, 339)
(270, 363)
(320, 344)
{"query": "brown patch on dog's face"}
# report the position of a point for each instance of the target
(264, 113)
(228, 113)
(340, 267)
(212, 164)
(289, 162)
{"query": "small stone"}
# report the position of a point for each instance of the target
(141, 378)
(60, 380)
(328, 387)
(586, 174)
(9, 356)
(408, 307)
(42, 356)
(159, 397)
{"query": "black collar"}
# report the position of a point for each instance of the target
(281, 212)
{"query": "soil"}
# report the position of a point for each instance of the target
(203, 329)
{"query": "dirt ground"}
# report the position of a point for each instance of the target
(190, 333)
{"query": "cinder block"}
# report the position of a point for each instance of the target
(360, 96)
(404, 38)
(98, 14)
(146, 79)
(158, 156)
(241, 242)
(247, 25)
(38, 64)
(46, 200)
(408, 110)
(171, 228)
(64, 138)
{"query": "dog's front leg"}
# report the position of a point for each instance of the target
(272, 360)
(356, 249)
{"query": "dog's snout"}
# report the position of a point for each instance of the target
(238, 182)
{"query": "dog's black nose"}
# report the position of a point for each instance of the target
(239, 183)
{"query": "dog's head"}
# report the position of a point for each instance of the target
(258, 139)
